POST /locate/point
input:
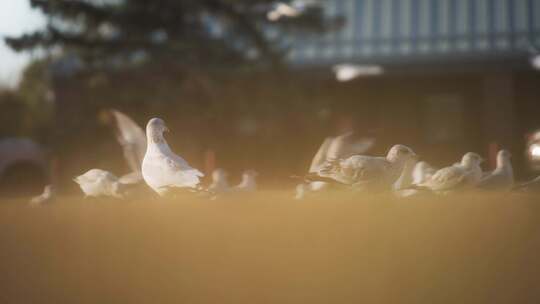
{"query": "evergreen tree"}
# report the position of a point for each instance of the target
(203, 33)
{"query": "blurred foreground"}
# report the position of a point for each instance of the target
(268, 248)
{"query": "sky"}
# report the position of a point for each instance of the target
(16, 17)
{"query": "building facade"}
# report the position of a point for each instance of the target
(457, 73)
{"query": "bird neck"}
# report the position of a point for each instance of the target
(467, 164)
(247, 181)
(156, 142)
(504, 165)
(406, 178)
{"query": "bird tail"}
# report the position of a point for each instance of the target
(190, 178)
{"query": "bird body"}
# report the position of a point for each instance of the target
(219, 183)
(465, 174)
(332, 149)
(97, 182)
(248, 182)
(369, 172)
(502, 178)
(162, 169)
(47, 196)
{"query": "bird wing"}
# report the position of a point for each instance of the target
(446, 178)
(361, 169)
(321, 155)
(132, 139)
(345, 145)
(493, 181)
(179, 172)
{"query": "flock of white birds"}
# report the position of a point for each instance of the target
(339, 164)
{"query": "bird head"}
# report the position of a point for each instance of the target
(401, 153)
(155, 129)
(157, 124)
(471, 159)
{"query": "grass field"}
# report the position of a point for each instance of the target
(271, 249)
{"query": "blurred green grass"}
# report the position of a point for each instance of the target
(269, 248)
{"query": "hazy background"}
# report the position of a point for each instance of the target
(254, 85)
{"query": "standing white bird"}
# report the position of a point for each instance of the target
(369, 172)
(248, 182)
(219, 183)
(462, 175)
(47, 196)
(502, 178)
(163, 170)
(97, 182)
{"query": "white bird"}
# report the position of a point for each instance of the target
(346, 71)
(97, 182)
(422, 172)
(47, 196)
(163, 170)
(248, 182)
(281, 10)
(369, 172)
(333, 148)
(219, 183)
(502, 178)
(465, 174)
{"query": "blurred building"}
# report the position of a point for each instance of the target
(455, 73)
